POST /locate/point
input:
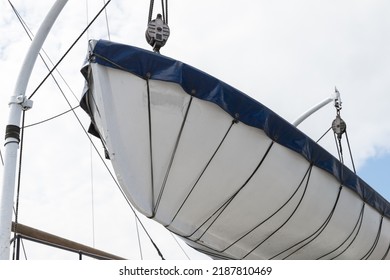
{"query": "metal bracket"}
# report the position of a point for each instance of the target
(22, 101)
(337, 99)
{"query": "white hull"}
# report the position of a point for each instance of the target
(226, 187)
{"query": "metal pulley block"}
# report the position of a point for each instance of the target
(157, 33)
(339, 126)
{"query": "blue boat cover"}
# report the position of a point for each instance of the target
(147, 64)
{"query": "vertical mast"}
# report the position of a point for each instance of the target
(17, 104)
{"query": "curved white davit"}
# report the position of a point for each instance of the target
(219, 169)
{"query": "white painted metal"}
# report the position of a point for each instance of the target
(17, 104)
(315, 108)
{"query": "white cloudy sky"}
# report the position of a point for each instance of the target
(288, 54)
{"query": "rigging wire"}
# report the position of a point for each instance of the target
(91, 153)
(24, 249)
(138, 238)
(181, 247)
(92, 197)
(31, 36)
(350, 151)
(87, 16)
(323, 135)
(52, 118)
(107, 25)
(78, 119)
(69, 49)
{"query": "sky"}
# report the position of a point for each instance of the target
(288, 55)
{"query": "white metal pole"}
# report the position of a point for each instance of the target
(18, 103)
(315, 108)
(311, 111)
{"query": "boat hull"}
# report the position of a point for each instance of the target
(231, 188)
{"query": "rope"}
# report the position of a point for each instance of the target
(92, 197)
(386, 253)
(291, 215)
(224, 206)
(372, 249)
(353, 230)
(173, 155)
(317, 233)
(150, 139)
(228, 201)
(273, 214)
(354, 238)
(204, 170)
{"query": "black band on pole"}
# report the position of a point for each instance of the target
(12, 131)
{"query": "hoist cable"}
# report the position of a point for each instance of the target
(164, 11)
(339, 151)
(150, 11)
(350, 152)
